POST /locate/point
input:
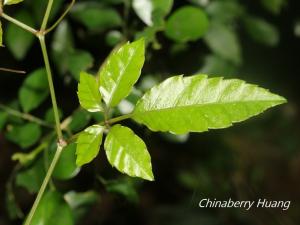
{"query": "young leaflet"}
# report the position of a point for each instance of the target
(178, 105)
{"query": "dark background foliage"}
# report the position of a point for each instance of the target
(256, 159)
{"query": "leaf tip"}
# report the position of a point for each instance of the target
(150, 177)
(283, 100)
(280, 100)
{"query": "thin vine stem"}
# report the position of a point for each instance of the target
(61, 17)
(25, 116)
(119, 118)
(12, 70)
(61, 143)
(44, 184)
(51, 86)
(18, 23)
(47, 15)
(109, 122)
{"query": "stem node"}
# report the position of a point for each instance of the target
(62, 143)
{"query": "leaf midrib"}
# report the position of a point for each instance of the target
(94, 97)
(207, 104)
(118, 80)
(133, 159)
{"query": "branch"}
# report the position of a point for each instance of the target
(105, 122)
(61, 17)
(51, 87)
(12, 70)
(45, 183)
(47, 15)
(25, 116)
(19, 23)
(119, 118)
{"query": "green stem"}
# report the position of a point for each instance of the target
(61, 17)
(47, 14)
(51, 86)
(106, 113)
(119, 118)
(44, 184)
(109, 121)
(25, 116)
(61, 143)
(26, 158)
(19, 23)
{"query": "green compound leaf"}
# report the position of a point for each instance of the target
(121, 71)
(128, 153)
(53, 210)
(187, 24)
(196, 104)
(88, 144)
(88, 93)
(11, 2)
(34, 90)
